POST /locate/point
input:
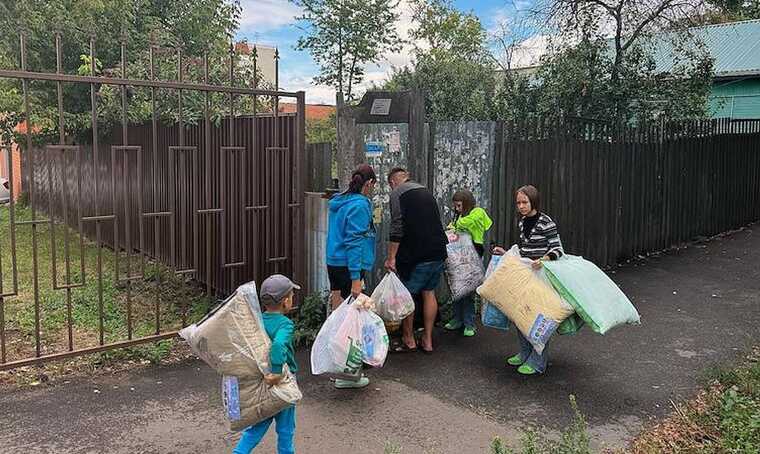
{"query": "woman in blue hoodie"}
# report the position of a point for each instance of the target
(351, 244)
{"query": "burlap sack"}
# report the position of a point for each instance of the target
(231, 339)
(248, 401)
(533, 306)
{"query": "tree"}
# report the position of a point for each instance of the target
(451, 63)
(344, 35)
(512, 40)
(630, 23)
(194, 26)
(576, 82)
(321, 130)
(722, 11)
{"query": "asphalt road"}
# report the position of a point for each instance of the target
(699, 307)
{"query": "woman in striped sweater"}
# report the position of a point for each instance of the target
(539, 241)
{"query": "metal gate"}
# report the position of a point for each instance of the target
(220, 202)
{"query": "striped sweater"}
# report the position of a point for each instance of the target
(543, 240)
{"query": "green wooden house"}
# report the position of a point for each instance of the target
(735, 49)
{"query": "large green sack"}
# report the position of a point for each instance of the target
(571, 325)
(597, 299)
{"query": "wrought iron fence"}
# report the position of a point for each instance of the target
(220, 202)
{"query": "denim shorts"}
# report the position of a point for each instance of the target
(424, 277)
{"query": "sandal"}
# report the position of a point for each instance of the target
(403, 348)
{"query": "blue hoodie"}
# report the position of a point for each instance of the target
(351, 234)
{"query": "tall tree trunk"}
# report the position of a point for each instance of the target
(351, 78)
(340, 51)
(618, 63)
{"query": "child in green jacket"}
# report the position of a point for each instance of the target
(474, 221)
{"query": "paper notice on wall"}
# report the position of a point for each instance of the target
(380, 106)
(394, 142)
(374, 149)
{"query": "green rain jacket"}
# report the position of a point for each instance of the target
(476, 224)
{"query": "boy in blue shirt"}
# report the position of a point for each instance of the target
(276, 295)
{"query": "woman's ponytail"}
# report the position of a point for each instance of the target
(359, 177)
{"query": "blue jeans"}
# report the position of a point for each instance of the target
(286, 428)
(464, 311)
(529, 356)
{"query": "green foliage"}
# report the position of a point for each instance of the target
(499, 447)
(309, 318)
(740, 421)
(154, 353)
(344, 35)
(724, 417)
(193, 26)
(576, 81)
(98, 298)
(321, 130)
(589, 79)
(451, 63)
(616, 78)
(737, 412)
(574, 439)
(392, 448)
(722, 11)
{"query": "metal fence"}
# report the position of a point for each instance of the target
(232, 213)
(615, 192)
(222, 205)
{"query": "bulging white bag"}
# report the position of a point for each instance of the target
(351, 335)
(464, 267)
(375, 342)
(393, 302)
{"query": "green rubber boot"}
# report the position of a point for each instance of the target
(526, 370)
(515, 360)
(452, 325)
(362, 382)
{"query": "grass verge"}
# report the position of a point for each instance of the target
(723, 418)
(101, 300)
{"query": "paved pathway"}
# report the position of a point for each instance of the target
(699, 307)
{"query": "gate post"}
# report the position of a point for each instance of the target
(417, 156)
(299, 265)
(350, 147)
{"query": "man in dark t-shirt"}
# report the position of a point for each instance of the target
(417, 249)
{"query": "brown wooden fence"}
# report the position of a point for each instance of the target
(621, 192)
(319, 159)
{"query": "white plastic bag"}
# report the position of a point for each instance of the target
(393, 302)
(464, 267)
(352, 334)
(375, 341)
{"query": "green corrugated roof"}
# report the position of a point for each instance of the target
(734, 46)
